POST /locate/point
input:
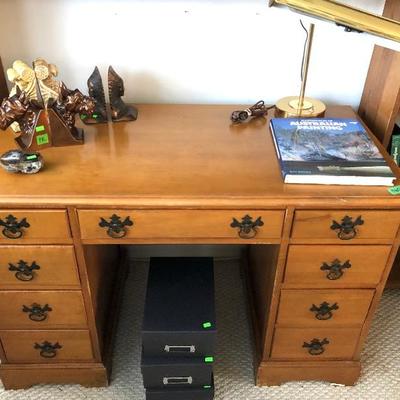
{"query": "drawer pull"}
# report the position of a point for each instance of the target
(347, 229)
(24, 272)
(247, 228)
(177, 380)
(12, 228)
(335, 269)
(116, 228)
(324, 311)
(316, 346)
(47, 350)
(179, 349)
(37, 313)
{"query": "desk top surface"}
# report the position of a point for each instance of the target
(174, 156)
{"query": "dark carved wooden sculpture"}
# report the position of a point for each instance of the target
(96, 91)
(47, 119)
(119, 110)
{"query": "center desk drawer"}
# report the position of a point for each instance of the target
(38, 267)
(46, 346)
(33, 224)
(332, 266)
(42, 310)
(345, 225)
(120, 224)
(323, 308)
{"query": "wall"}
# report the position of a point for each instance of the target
(219, 51)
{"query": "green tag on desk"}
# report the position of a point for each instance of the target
(40, 128)
(394, 190)
(42, 139)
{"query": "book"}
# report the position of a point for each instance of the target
(395, 149)
(331, 151)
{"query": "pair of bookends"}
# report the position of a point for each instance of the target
(40, 109)
(119, 110)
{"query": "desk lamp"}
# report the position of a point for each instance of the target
(353, 20)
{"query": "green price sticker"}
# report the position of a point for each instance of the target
(207, 325)
(208, 359)
(40, 128)
(32, 157)
(207, 387)
(394, 190)
(94, 116)
(42, 139)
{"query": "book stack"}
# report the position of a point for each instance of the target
(328, 151)
(179, 329)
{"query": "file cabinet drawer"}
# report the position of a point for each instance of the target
(125, 224)
(323, 308)
(332, 266)
(314, 344)
(33, 224)
(46, 346)
(345, 225)
(42, 310)
(38, 267)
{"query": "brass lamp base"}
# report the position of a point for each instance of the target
(288, 107)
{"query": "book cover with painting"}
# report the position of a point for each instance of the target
(328, 151)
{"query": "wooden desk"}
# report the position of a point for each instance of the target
(181, 174)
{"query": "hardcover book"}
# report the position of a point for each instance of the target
(328, 151)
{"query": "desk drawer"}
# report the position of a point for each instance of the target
(33, 224)
(314, 344)
(180, 224)
(38, 267)
(324, 308)
(345, 225)
(42, 310)
(46, 346)
(346, 266)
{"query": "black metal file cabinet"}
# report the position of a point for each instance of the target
(179, 329)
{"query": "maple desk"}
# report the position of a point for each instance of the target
(181, 174)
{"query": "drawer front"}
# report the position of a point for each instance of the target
(345, 225)
(322, 308)
(180, 224)
(42, 310)
(46, 346)
(335, 266)
(33, 224)
(314, 344)
(37, 267)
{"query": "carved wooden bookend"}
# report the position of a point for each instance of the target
(41, 108)
(119, 110)
(96, 91)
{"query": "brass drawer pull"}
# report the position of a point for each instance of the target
(324, 311)
(47, 350)
(247, 228)
(335, 269)
(24, 272)
(316, 346)
(116, 228)
(347, 229)
(12, 228)
(37, 313)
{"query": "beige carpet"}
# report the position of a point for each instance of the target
(233, 368)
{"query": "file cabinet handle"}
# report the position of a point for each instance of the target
(37, 313)
(13, 229)
(324, 311)
(316, 346)
(47, 350)
(116, 228)
(335, 269)
(23, 271)
(248, 227)
(177, 380)
(346, 230)
(180, 349)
